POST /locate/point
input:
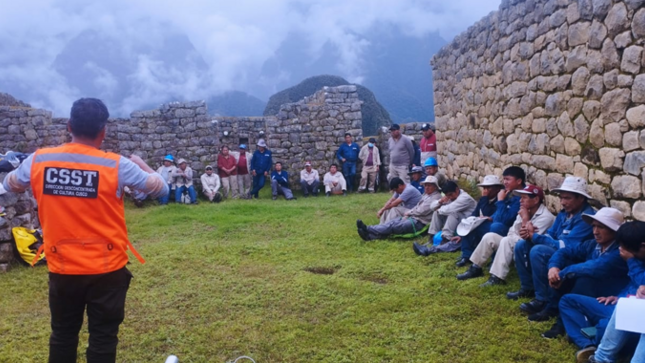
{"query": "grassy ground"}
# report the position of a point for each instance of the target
(287, 282)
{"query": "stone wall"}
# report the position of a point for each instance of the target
(553, 86)
(20, 213)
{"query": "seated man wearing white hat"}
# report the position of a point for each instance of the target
(592, 268)
(183, 181)
(211, 185)
(404, 198)
(309, 180)
(484, 210)
(532, 211)
(412, 221)
(533, 252)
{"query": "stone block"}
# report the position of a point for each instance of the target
(599, 176)
(6, 252)
(610, 58)
(622, 206)
(554, 180)
(625, 186)
(581, 129)
(613, 135)
(579, 33)
(636, 116)
(614, 104)
(557, 144)
(595, 87)
(634, 162)
(616, 20)
(597, 134)
(638, 210)
(579, 81)
(638, 24)
(611, 159)
(631, 141)
(572, 147)
(638, 89)
(580, 170)
(631, 62)
(563, 163)
(591, 109)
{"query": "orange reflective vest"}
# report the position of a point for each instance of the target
(81, 216)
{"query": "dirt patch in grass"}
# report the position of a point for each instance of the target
(375, 279)
(322, 270)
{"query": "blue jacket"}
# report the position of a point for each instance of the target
(348, 152)
(417, 154)
(282, 178)
(566, 231)
(261, 162)
(487, 209)
(586, 260)
(506, 210)
(418, 186)
(636, 276)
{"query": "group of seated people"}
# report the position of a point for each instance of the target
(573, 266)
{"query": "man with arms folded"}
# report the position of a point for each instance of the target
(371, 159)
(401, 154)
(211, 185)
(309, 180)
(579, 311)
(79, 190)
(348, 155)
(533, 213)
(404, 198)
(568, 230)
(413, 220)
(183, 180)
(334, 182)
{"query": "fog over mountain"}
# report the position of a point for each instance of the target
(137, 55)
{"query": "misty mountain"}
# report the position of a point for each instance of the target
(374, 115)
(395, 66)
(235, 103)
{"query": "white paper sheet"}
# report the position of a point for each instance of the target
(630, 315)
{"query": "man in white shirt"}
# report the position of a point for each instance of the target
(211, 185)
(309, 180)
(334, 182)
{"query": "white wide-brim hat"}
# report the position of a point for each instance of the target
(610, 217)
(467, 225)
(431, 180)
(262, 143)
(490, 181)
(573, 184)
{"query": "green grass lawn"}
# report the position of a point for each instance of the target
(237, 278)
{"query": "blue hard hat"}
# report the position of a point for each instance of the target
(436, 240)
(169, 158)
(431, 162)
(243, 146)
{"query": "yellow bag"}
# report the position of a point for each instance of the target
(26, 245)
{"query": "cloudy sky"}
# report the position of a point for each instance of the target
(233, 37)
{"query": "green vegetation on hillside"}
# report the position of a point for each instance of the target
(374, 115)
(287, 282)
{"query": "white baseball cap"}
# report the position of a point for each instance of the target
(610, 217)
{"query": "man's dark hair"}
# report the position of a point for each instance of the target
(348, 134)
(395, 182)
(631, 235)
(516, 172)
(449, 187)
(88, 117)
(334, 164)
(277, 162)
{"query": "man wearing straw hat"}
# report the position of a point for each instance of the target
(413, 220)
(568, 230)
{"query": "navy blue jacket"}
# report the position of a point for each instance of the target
(636, 276)
(282, 178)
(586, 260)
(566, 231)
(484, 206)
(507, 210)
(418, 186)
(348, 152)
(261, 162)
(417, 154)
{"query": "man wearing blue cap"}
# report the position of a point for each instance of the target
(165, 171)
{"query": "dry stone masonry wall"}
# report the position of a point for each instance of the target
(554, 86)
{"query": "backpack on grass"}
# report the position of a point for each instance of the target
(26, 245)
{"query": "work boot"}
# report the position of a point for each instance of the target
(462, 262)
(556, 330)
(420, 250)
(493, 281)
(534, 306)
(521, 293)
(545, 315)
(472, 272)
(328, 194)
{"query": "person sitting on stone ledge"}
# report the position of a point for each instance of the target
(211, 185)
(334, 182)
(260, 167)
(309, 180)
(485, 208)
(454, 206)
(227, 167)
(183, 181)
(415, 178)
(592, 268)
(412, 221)
(533, 212)
(506, 207)
(432, 168)
(243, 162)
(280, 183)
(404, 198)
(582, 311)
(371, 159)
(348, 155)
(166, 171)
(535, 249)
